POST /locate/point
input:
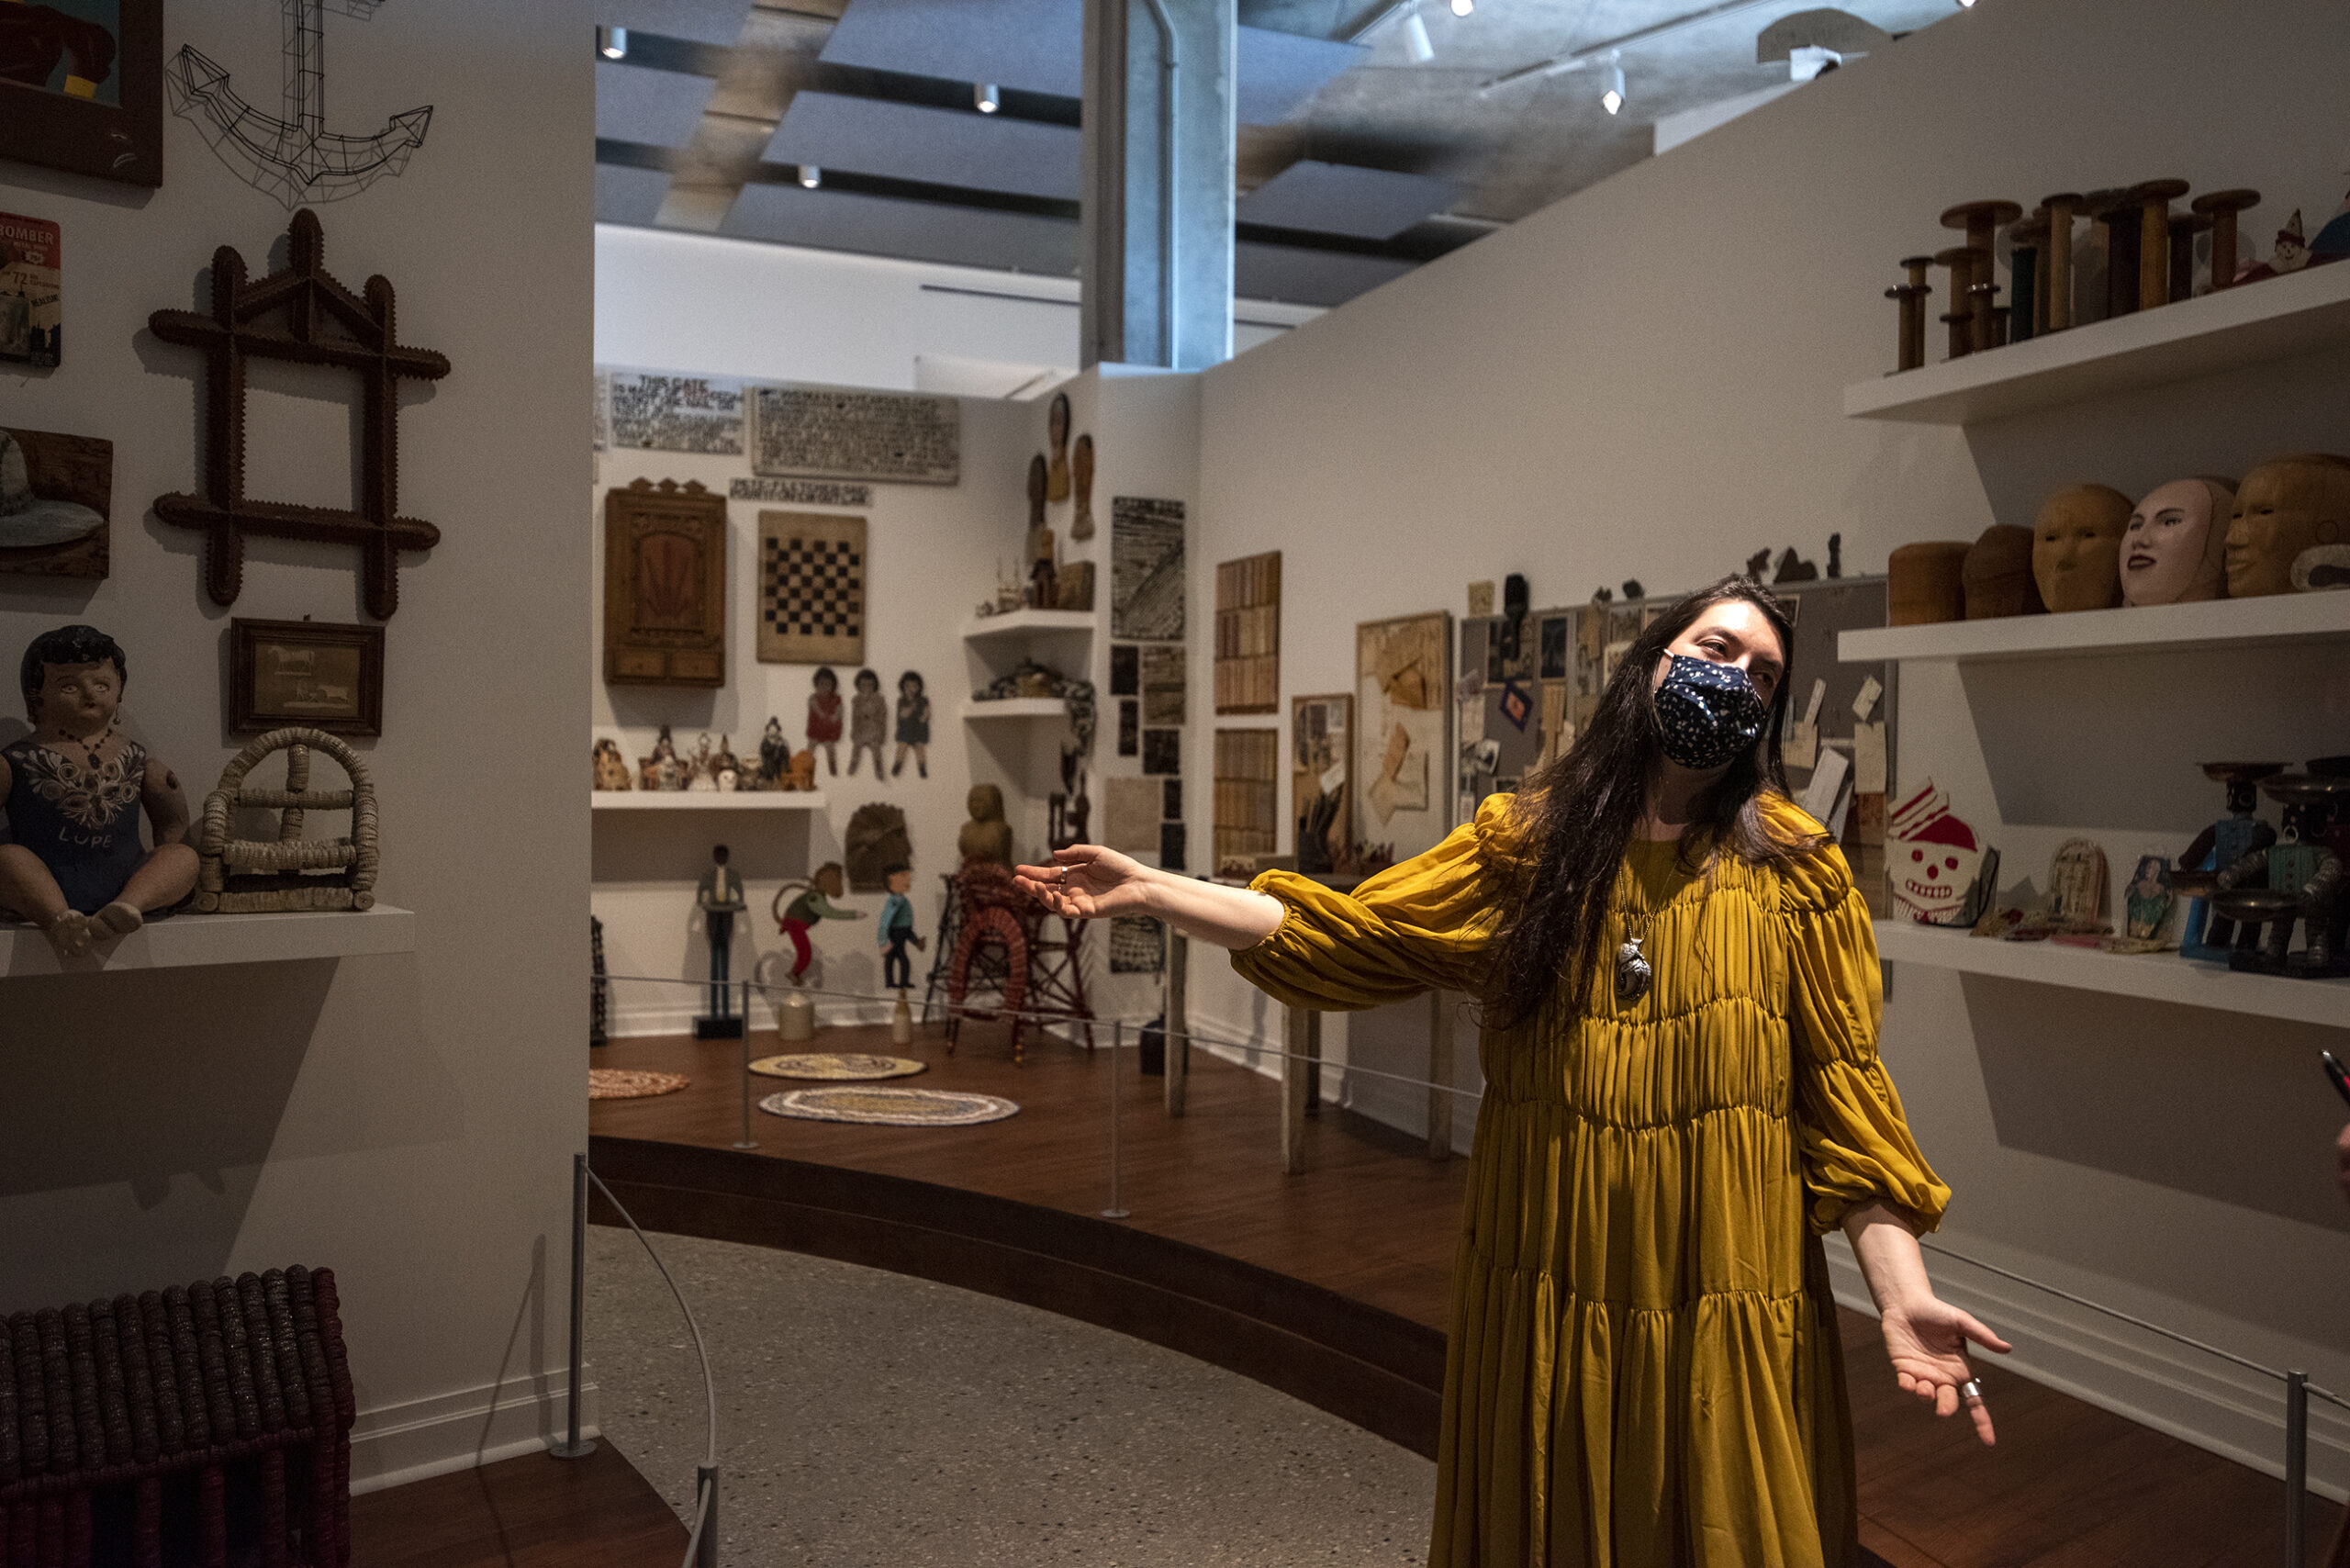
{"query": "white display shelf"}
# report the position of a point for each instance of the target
(2251, 324)
(708, 801)
(187, 941)
(1016, 708)
(1015, 623)
(2158, 977)
(2154, 627)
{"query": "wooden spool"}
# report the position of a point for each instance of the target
(1982, 221)
(2026, 270)
(1927, 583)
(274, 875)
(1960, 318)
(2221, 207)
(2119, 212)
(2153, 200)
(2183, 228)
(2061, 209)
(1912, 296)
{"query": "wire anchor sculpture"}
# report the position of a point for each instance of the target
(297, 159)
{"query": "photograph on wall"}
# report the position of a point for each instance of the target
(812, 588)
(1403, 739)
(1130, 816)
(674, 413)
(1162, 683)
(1321, 758)
(81, 87)
(1138, 944)
(1248, 634)
(56, 495)
(323, 675)
(828, 432)
(1129, 727)
(1172, 853)
(1125, 670)
(1146, 569)
(1162, 751)
(1173, 804)
(32, 313)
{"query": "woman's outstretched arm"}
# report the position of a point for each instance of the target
(1925, 1337)
(1088, 882)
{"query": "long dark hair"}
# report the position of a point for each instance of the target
(1577, 817)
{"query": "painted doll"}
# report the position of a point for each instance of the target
(824, 718)
(869, 720)
(914, 725)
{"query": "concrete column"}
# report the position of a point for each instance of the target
(1156, 181)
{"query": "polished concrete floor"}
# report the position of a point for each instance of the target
(869, 1419)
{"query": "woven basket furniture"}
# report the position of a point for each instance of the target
(189, 1426)
(238, 876)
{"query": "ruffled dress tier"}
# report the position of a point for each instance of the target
(1643, 1370)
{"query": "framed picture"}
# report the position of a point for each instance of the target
(323, 675)
(56, 494)
(1321, 762)
(82, 88)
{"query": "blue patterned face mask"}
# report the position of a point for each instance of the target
(1710, 712)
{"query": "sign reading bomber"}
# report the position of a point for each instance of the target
(824, 432)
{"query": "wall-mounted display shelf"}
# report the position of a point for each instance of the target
(2158, 976)
(2277, 319)
(1019, 622)
(710, 801)
(185, 941)
(2154, 627)
(1016, 708)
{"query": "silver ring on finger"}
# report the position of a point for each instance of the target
(1971, 1391)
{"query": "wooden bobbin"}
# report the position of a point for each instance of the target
(2118, 212)
(2028, 270)
(2183, 228)
(1982, 221)
(2154, 199)
(2061, 209)
(1960, 317)
(1912, 296)
(2221, 207)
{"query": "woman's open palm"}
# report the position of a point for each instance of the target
(1926, 1344)
(1086, 881)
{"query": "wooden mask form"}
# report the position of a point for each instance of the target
(2076, 547)
(2282, 508)
(2174, 551)
(1057, 428)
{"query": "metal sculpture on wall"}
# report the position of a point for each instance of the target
(297, 159)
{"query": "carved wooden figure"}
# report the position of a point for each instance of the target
(2221, 207)
(2154, 199)
(2209, 935)
(2061, 209)
(323, 323)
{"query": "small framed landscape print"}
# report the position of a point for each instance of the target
(320, 675)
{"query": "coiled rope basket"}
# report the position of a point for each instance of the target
(238, 876)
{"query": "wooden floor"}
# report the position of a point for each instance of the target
(533, 1512)
(2067, 1484)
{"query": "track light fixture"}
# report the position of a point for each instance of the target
(811, 176)
(612, 42)
(1612, 100)
(1415, 37)
(985, 98)
(1462, 7)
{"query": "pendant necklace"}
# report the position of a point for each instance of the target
(1633, 973)
(90, 749)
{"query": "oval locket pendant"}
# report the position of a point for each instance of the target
(1632, 972)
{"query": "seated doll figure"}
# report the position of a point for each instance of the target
(74, 790)
(2304, 867)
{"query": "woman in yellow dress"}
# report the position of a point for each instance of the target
(1680, 998)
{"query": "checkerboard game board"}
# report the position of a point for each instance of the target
(811, 587)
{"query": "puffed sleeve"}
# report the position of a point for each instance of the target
(1423, 925)
(1855, 1142)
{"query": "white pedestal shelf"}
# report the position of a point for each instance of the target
(2158, 977)
(2253, 323)
(1016, 708)
(185, 941)
(708, 801)
(1018, 623)
(2154, 627)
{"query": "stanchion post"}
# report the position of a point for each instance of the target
(706, 1488)
(2297, 1462)
(1179, 1020)
(1117, 1209)
(574, 1446)
(746, 1141)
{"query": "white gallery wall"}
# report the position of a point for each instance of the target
(407, 1120)
(1646, 380)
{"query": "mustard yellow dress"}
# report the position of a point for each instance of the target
(1644, 1369)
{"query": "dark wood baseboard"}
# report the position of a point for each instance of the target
(1379, 1371)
